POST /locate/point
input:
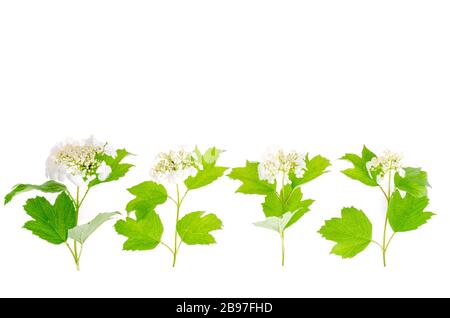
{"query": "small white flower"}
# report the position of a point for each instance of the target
(103, 171)
(107, 149)
(277, 165)
(110, 151)
(265, 172)
(92, 141)
(174, 166)
(300, 167)
(388, 161)
(76, 161)
(76, 179)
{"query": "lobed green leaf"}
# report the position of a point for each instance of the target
(315, 167)
(194, 228)
(210, 156)
(204, 177)
(142, 234)
(148, 195)
(415, 182)
(352, 232)
(359, 171)
(207, 170)
(118, 169)
(407, 213)
(251, 184)
(51, 222)
(47, 187)
(289, 200)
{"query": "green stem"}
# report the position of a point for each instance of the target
(75, 249)
(168, 247)
(75, 257)
(282, 186)
(78, 202)
(81, 251)
(375, 242)
(71, 251)
(384, 243)
(388, 198)
(389, 242)
(384, 192)
(176, 245)
(84, 197)
(172, 199)
(282, 199)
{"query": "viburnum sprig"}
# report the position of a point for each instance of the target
(74, 168)
(279, 177)
(405, 191)
(186, 171)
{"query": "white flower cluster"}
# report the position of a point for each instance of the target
(78, 161)
(389, 161)
(277, 165)
(174, 166)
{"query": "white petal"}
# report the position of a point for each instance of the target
(92, 141)
(76, 179)
(261, 171)
(110, 151)
(103, 171)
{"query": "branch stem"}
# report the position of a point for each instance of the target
(388, 198)
(176, 246)
(78, 201)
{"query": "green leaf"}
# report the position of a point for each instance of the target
(300, 210)
(118, 169)
(207, 170)
(407, 214)
(211, 156)
(289, 200)
(359, 171)
(315, 167)
(251, 184)
(293, 203)
(143, 234)
(415, 182)
(204, 177)
(51, 222)
(81, 233)
(48, 187)
(148, 194)
(289, 196)
(194, 228)
(352, 232)
(276, 223)
(272, 205)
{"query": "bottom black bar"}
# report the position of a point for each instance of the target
(207, 307)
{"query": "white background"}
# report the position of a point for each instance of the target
(318, 76)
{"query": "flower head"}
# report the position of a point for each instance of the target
(278, 164)
(389, 161)
(174, 166)
(79, 161)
